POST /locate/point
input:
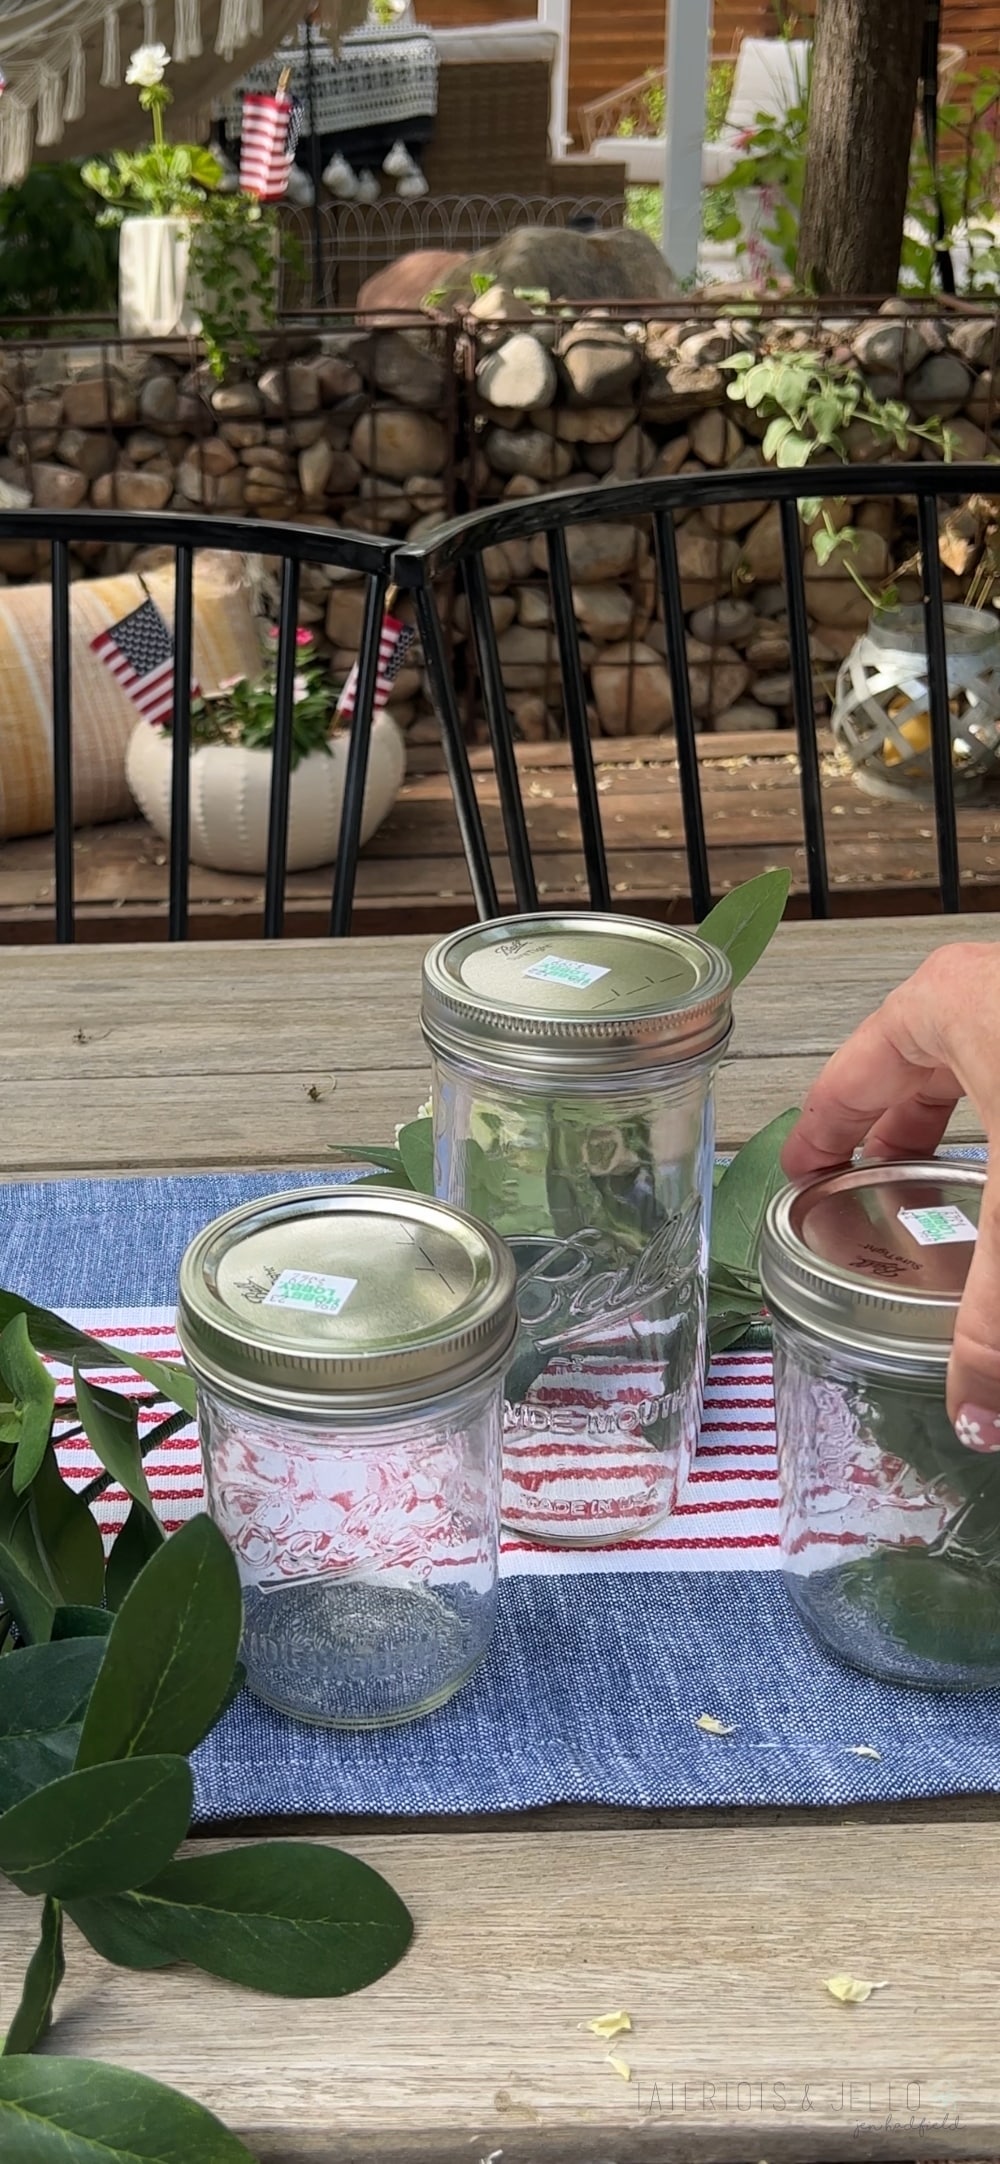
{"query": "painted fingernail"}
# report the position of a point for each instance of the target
(978, 1427)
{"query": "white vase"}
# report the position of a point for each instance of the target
(231, 790)
(154, 256)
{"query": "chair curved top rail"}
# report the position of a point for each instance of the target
(459, 546)
(193, 530)
(460, 538)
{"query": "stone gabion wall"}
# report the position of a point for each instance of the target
(390, 430)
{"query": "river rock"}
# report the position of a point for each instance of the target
(938, 387)
(533, 607)
(731, 518)
(237, 401)
(527, 450)
(716, 685)
(724, 622)
(614, 266)
(591, 424)
(527, 656)
(520, 373)
(293, 388)
(633, 454)
(530, 716)
(397, 442)
(401, 367)
(632, 689)
(715, 439)
(599, 360)
(746, 714)
(95, 404)
(139, 491)
(315, 464)
(57, 488)
(890, 346)
(604, 611)
(596, 552)
(89, 452)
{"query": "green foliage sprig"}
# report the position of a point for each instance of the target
(112, 1673)
(809, 403)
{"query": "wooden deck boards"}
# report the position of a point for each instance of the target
(412, 874)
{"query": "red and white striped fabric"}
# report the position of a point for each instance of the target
(726, 1517)
(267, 143)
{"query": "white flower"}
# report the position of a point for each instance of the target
(148, 66)
(300, 688)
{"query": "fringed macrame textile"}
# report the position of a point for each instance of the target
(64, 62)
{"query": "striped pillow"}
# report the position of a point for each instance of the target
(226, 644)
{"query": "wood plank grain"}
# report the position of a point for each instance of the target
(717, 1942)
(208, 1054)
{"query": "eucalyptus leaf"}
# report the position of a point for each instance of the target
(291, 1918)
(42, 1978)
(111, 1424)
(133, 1546)
(34, 1394)
(119, 1931)
(66, 1535)
(172, 1651)
(27, 1586)
(416, 1148)
(49, 1333)
(78, 1621)
(742, 1197)
(47, 1686)
(388, 1161)
(100, 1830)
(744, 923)
(76, 2111)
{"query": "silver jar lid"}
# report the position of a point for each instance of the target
(328, 1301)
(596, 994)
(875, 1257)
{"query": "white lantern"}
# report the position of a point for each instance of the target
(881, 715)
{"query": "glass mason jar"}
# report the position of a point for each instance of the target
(349, 1351)
(573, 1059)
(890, 1525)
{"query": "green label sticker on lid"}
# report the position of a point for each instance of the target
(310, 1291)
(555, 969)
(939, 1226)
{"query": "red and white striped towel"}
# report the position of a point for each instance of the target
(726, 1517)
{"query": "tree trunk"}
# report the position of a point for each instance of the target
(866, 65)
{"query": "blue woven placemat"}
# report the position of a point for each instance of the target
(595, 1680)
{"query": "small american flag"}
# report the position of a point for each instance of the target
(393, 646)
(270, 132)
(139, 651)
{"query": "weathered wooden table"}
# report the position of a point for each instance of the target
(715, 1930)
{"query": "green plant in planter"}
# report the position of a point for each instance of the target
(112, 1673)
(234, 239)
(243, 710)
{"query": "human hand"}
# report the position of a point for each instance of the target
(891, 1090)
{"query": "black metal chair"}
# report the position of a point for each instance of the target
(293, 546)
(459, 546)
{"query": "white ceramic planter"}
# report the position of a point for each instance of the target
(154, 256)
(231, 789)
